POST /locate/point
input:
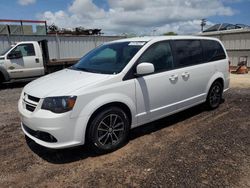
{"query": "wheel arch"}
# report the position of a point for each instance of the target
(120, 105)
(217, 77)
(4, 74)
(220, 80)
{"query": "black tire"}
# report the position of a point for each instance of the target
(1, 78)
(109, 130)
(28, 139)
(214, 96)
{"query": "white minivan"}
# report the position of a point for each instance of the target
(121, 85)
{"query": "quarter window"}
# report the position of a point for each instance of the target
(188, 52)
(26, 49)
(159, 55)
(213, 51)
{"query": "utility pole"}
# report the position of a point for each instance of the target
(154, 32)
(203, 23)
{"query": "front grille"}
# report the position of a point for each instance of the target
(35, 99)
(44, 136)
(30, 108)
(30, 102)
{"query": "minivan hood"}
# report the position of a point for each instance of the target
(63, 83)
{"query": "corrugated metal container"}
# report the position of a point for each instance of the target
(236, 42)
(61, 47)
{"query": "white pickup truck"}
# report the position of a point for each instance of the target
(29, 59)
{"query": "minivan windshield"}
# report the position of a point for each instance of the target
(108, 58)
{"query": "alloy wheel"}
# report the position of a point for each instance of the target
(215, 95)
(110, 130)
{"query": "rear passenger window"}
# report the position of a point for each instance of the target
(213, 50)
(159, 55)
(188, 52)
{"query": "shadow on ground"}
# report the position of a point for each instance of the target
(12, 85)
(61, 156)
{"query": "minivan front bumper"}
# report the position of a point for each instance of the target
(52, 130)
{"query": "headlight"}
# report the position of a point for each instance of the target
(59, 104)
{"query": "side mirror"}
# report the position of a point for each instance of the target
(144, 69)
(14, 55)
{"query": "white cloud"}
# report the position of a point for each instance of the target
(26, 2)
(87, 9)
(140, 16)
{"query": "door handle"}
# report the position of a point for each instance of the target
(185, 74)
(173, 77)
(37, 60)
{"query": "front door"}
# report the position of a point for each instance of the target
(157, 94)
(29, 65)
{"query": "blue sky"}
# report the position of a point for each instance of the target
(129, 16)
(242, 13)
(11, 9)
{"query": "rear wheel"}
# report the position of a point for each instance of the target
(109, 130)
(214, 95)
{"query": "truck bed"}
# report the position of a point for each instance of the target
(62, 62)
(54, 65)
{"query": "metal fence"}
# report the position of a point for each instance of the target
(61, 46)
(236, 42)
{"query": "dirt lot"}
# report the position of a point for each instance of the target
(195, 148)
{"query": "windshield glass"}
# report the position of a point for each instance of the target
(5, 50)
(109, 58)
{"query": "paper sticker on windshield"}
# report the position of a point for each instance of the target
(136, 43)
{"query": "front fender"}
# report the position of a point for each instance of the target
(102, 100)
(97, 103)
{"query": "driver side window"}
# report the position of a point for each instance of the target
(25, 49)
(159, 55)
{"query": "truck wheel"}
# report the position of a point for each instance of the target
(1, 78)
(214, 95)
(109, 130)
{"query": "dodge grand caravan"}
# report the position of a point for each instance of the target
(121, 85)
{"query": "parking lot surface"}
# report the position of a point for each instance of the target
(194, 148)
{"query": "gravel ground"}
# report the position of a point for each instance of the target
(194, 148)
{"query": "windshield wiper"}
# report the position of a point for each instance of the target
(85, 70)
(79, 68)
(90, 70)
(82, 69)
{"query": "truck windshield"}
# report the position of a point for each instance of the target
(5, 50)
(109, 58)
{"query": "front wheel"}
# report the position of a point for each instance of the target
(1, 78)
(214, 95)
(109, 130)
